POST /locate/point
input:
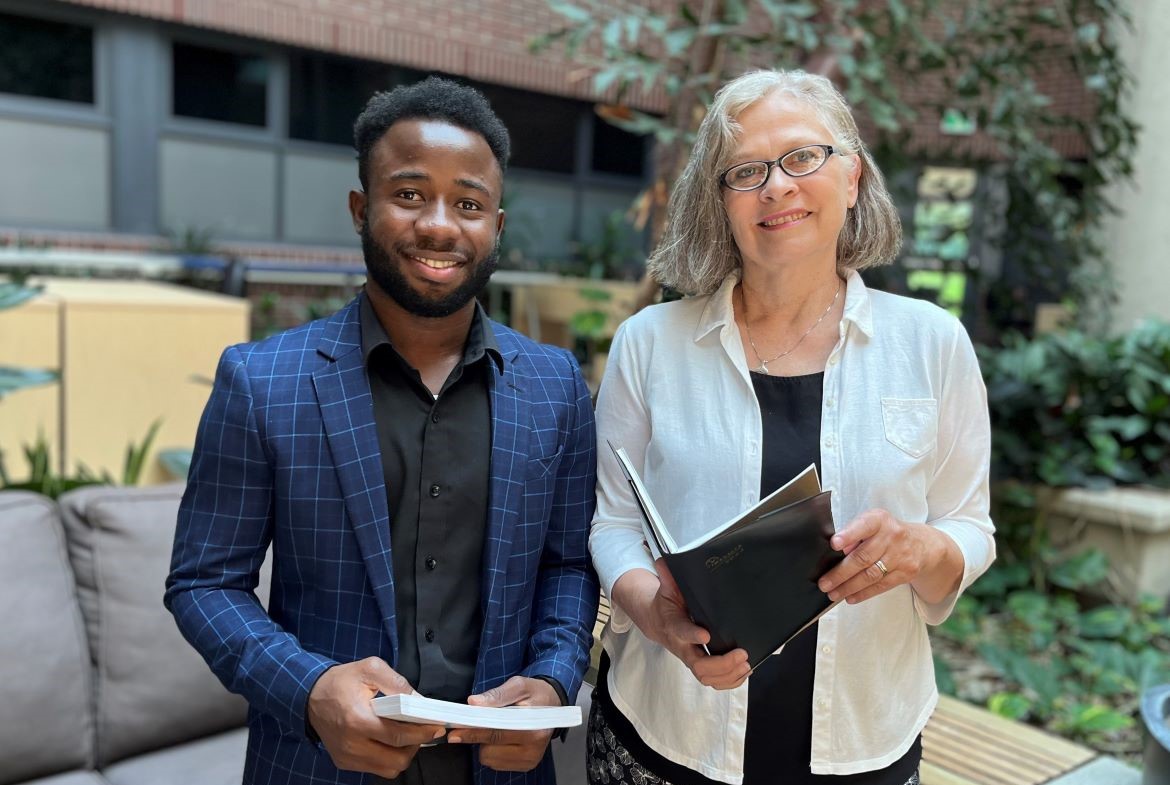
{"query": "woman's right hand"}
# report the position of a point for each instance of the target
(657, 607)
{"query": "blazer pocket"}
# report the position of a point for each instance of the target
(539, 466)
(911, 424)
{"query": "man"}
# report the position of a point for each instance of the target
(423, 475)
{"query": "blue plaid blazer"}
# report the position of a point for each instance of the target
(287, 456)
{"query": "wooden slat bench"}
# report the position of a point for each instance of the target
(966, 745)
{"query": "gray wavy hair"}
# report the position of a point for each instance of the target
(697, 249)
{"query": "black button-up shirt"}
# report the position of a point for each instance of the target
(436, 453)
(435, 463)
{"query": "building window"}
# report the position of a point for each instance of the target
(616, 151)
(543, 128)
(217, 84)
(326, 94)
(46, 59)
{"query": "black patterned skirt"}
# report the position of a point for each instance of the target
(779, 734)
(609, 762)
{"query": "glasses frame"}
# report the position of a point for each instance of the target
(829, 151)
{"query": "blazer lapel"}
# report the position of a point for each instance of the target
(347, 412)
(510, 434)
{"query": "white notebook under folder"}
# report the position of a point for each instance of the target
(658, 537)
(429, 711)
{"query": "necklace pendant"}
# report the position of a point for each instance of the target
(763, 368)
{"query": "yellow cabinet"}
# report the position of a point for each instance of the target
(129, 352)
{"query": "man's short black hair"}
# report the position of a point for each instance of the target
(434, 98)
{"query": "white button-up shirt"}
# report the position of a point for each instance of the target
(904, 427)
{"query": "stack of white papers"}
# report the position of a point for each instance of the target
(429, 711)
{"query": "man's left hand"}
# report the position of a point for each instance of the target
(510, 750)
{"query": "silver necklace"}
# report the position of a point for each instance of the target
(763, 366)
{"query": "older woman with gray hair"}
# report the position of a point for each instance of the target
(782, 357)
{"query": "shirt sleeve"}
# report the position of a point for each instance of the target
(959, 502)
(615, 538)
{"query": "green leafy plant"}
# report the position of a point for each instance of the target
(13, 294)
(265, 316)
(189, 241)
(590, 326)
(319, 308)
(45, 480)
(1055, 658)
(13, 379)
(1067, 409)
(176, 462)
(590, 323)
(1072, 409)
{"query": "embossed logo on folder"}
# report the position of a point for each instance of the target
(715, 562)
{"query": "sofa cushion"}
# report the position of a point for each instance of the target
(72, 778)
(45, 720)
(218, 760)
(152, 689)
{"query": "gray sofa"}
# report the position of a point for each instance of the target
(97, 687)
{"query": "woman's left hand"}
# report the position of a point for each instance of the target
(883, 552)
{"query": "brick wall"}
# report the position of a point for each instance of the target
(488, 40)
(480, 39)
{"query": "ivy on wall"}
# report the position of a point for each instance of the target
(982, 66)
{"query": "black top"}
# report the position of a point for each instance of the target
(779, 723)
(436, 454)
(780, 691)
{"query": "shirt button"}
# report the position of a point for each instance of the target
(432, 562)
(435, 489)
(833, 360)
(827, 649)
(828, 445)
(821, 703)
(430, 636)
(829, 403)
(434, 417)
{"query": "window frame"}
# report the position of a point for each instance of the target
(276, 91)
(56, 110)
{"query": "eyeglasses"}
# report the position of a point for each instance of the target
(800, 162)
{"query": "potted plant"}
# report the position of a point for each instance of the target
(1081, 442)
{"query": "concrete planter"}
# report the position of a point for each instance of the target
(1130, 525)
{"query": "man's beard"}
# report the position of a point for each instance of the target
(389, 278)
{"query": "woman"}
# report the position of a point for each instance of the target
(784, 358)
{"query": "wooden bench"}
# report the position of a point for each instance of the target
(966, 745)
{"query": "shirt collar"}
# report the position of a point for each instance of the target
(481, 338)
(719, 312)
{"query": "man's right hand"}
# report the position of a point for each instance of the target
(656, 605)
(339, 711)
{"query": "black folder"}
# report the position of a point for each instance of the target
(752, 582)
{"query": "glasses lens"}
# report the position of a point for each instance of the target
(804, 160)
(747, 176)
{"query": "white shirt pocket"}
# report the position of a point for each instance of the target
(911, 424)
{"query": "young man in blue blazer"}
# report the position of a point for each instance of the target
(423, 476)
